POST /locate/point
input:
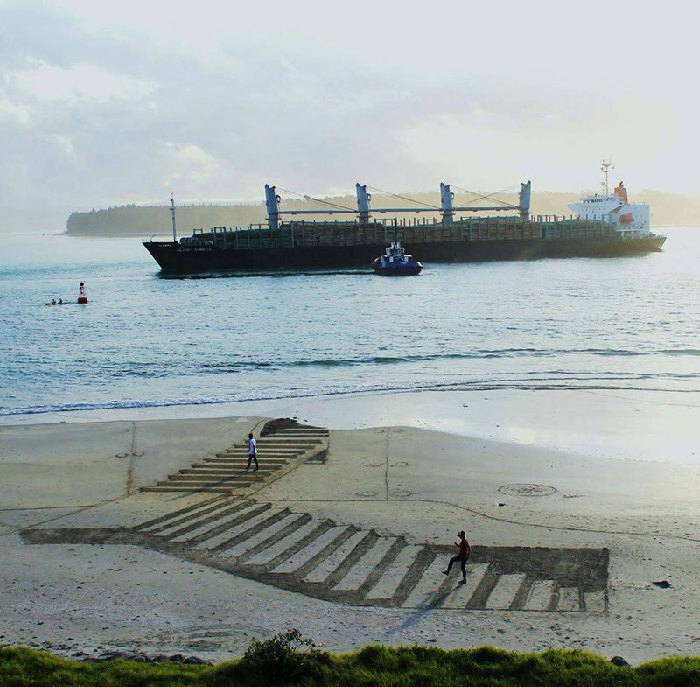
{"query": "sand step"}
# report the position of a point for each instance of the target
(204, 479)
(503, 594)
(223, 464)
(289, 441)
(595, 602)
(210, 529)
(241, 531)
(301, 430)
(241, 511)
(568, 599)
(196, 484)
(298, 435)
(388, 584)
(251, 544)
(329, 564)
(271, 455)
(183, 513)
(235, 471)
(234, 460)
(274, 451)
(283, 443)
(284, 447)
(285, 547)
(426, 591)
(361, 571)
(228, 485)
(243, 450)
(295, 433)
(250, 476)
(277, 461)
(183, 488)
(541, 596)
(208, 477)
(313, 551)
(180, 525)
(185, 518)
(238, 467)
(288, 528)
(223, 470)
(455, 595)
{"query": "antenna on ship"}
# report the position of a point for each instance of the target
(172, 217)
(604, 169)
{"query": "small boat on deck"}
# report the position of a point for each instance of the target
(396, 263)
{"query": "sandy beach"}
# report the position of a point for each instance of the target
(562, 470)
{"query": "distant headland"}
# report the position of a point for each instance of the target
(668, 209)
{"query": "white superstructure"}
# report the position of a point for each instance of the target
(614, 208)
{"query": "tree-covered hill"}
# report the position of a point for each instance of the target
(668, 209)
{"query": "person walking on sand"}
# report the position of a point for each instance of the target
(252, 452)
(462, 557)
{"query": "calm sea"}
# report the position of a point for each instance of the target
(144, 340)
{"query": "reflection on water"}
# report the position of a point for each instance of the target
(144, 340)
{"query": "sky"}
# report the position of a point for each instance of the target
(108, 103)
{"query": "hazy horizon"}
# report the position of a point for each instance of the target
(104, 105)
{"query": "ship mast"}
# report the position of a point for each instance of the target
(604, 169)
(172, 216)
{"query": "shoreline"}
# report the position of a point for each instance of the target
(650, 425)
(166, 235)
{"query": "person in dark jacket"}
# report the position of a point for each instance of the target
(462, 557)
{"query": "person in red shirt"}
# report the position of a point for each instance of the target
(462, 557)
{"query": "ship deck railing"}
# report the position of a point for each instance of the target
(311, 233)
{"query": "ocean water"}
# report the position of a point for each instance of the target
(145, 340)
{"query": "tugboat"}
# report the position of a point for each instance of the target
(396, 263)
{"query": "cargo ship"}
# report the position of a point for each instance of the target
(605, 225)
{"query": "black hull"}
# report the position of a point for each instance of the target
(412, 272)
(175, 258)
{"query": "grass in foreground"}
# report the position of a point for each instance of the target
(288, 659)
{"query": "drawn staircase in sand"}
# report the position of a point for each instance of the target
(340, 562)
(344, 563)
(227, 472)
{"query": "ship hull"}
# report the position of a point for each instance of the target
(174, 258)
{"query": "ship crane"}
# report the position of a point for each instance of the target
(364, 211)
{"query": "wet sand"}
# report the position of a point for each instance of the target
(620, 472)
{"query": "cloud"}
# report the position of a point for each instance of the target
(78, 84)
(12, 114)
(190, 162)
(125, 102)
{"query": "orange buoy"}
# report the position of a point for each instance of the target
(82, 295)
